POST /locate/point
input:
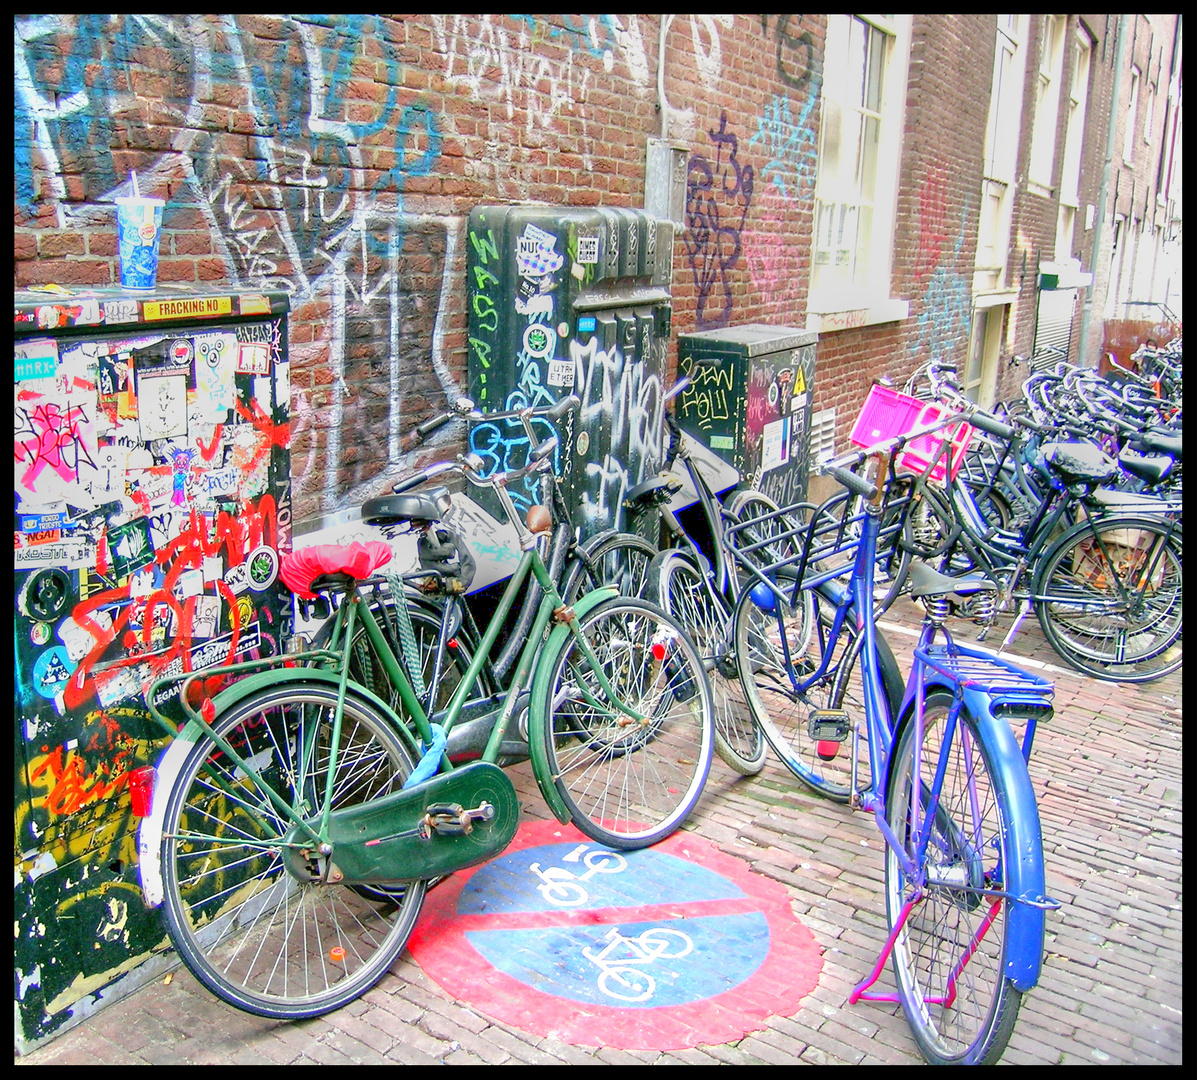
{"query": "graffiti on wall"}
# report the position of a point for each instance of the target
(944, 323)
(718, 198)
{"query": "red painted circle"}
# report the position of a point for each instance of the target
(789, 965)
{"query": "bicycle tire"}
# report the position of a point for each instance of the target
(629, 784)
(782, 713)
(250, 931)
(614, 559)
(676, 584)
(1081, 609)
(948, 922)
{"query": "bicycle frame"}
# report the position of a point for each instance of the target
(332, 665)
(988, 686)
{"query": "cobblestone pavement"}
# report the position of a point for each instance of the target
(1107, 773)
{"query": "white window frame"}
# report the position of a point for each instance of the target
(866, 300)
(1128, 139)
(1070, 172)
(1001, 153)
(1047, 105)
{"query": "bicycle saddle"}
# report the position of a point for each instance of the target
(1164, 442)
(1151, 468)
(330, 564)
(1078, 463)
(927, 582)
(425, 506)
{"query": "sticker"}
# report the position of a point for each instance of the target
(262, 567)
(46, 595)
(52, 670)
(561, 373)
(206, 616)
(253, 358)
(180, 351)
(120, 311)
(583, 442)
(588, 249)
(254, 304)
(131, 547)
(39, 633)
(539, 341)
(586, 324)
(154, 310)
(36, 359)
(775, 444)
(215, 374)
(162, 406)
(535, 254)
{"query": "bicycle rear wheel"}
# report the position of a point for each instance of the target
(617, 559)
(628, 783)
(678, 586)
(1109, 599)
(259, 935)
(949, 956)
(780, 645)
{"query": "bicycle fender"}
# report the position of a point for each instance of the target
(170, 763)
(149, 832)
(538, 712)
(1024, 876)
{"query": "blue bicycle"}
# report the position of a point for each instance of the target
(943, 772)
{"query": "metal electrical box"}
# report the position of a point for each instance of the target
(749, 401)
(152, 508)
(572, 301)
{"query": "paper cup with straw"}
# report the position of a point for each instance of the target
(138, 228)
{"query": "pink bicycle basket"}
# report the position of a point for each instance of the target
(887, 413)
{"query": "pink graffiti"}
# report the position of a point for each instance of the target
(51, 436)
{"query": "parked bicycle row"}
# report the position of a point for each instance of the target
(303, 810)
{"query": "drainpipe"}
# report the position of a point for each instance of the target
(1103, 192)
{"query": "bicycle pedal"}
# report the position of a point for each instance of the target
(452, 819)
(828, 726)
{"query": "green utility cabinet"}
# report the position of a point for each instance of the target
(749, 401)
(571, 301)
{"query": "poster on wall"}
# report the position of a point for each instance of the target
(152, 505)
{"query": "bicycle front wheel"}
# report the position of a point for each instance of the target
(949, 955)
(260, 934)
(678, 586)
(629, 781)
(1109, 599)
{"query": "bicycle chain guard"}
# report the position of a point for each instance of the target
(416, 834)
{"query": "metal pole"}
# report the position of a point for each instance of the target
(1103, 192)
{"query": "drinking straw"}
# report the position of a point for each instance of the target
(136, 190)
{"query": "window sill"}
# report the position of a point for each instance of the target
(836, 318)
(1044, 191)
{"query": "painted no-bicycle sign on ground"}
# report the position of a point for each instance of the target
(663, 949)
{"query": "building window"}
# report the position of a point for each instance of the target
(1070, 173)
(1001, 152)
(1128, 141)
(864, 89)
(1047, 104)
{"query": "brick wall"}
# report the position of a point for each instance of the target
(337, 157)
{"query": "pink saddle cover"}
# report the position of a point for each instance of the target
(300, 568)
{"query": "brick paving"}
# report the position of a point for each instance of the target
(1107, 773)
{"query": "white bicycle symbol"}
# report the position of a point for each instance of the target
(562, 887)
(621, 976)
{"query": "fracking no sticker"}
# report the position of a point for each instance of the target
(666, 948)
